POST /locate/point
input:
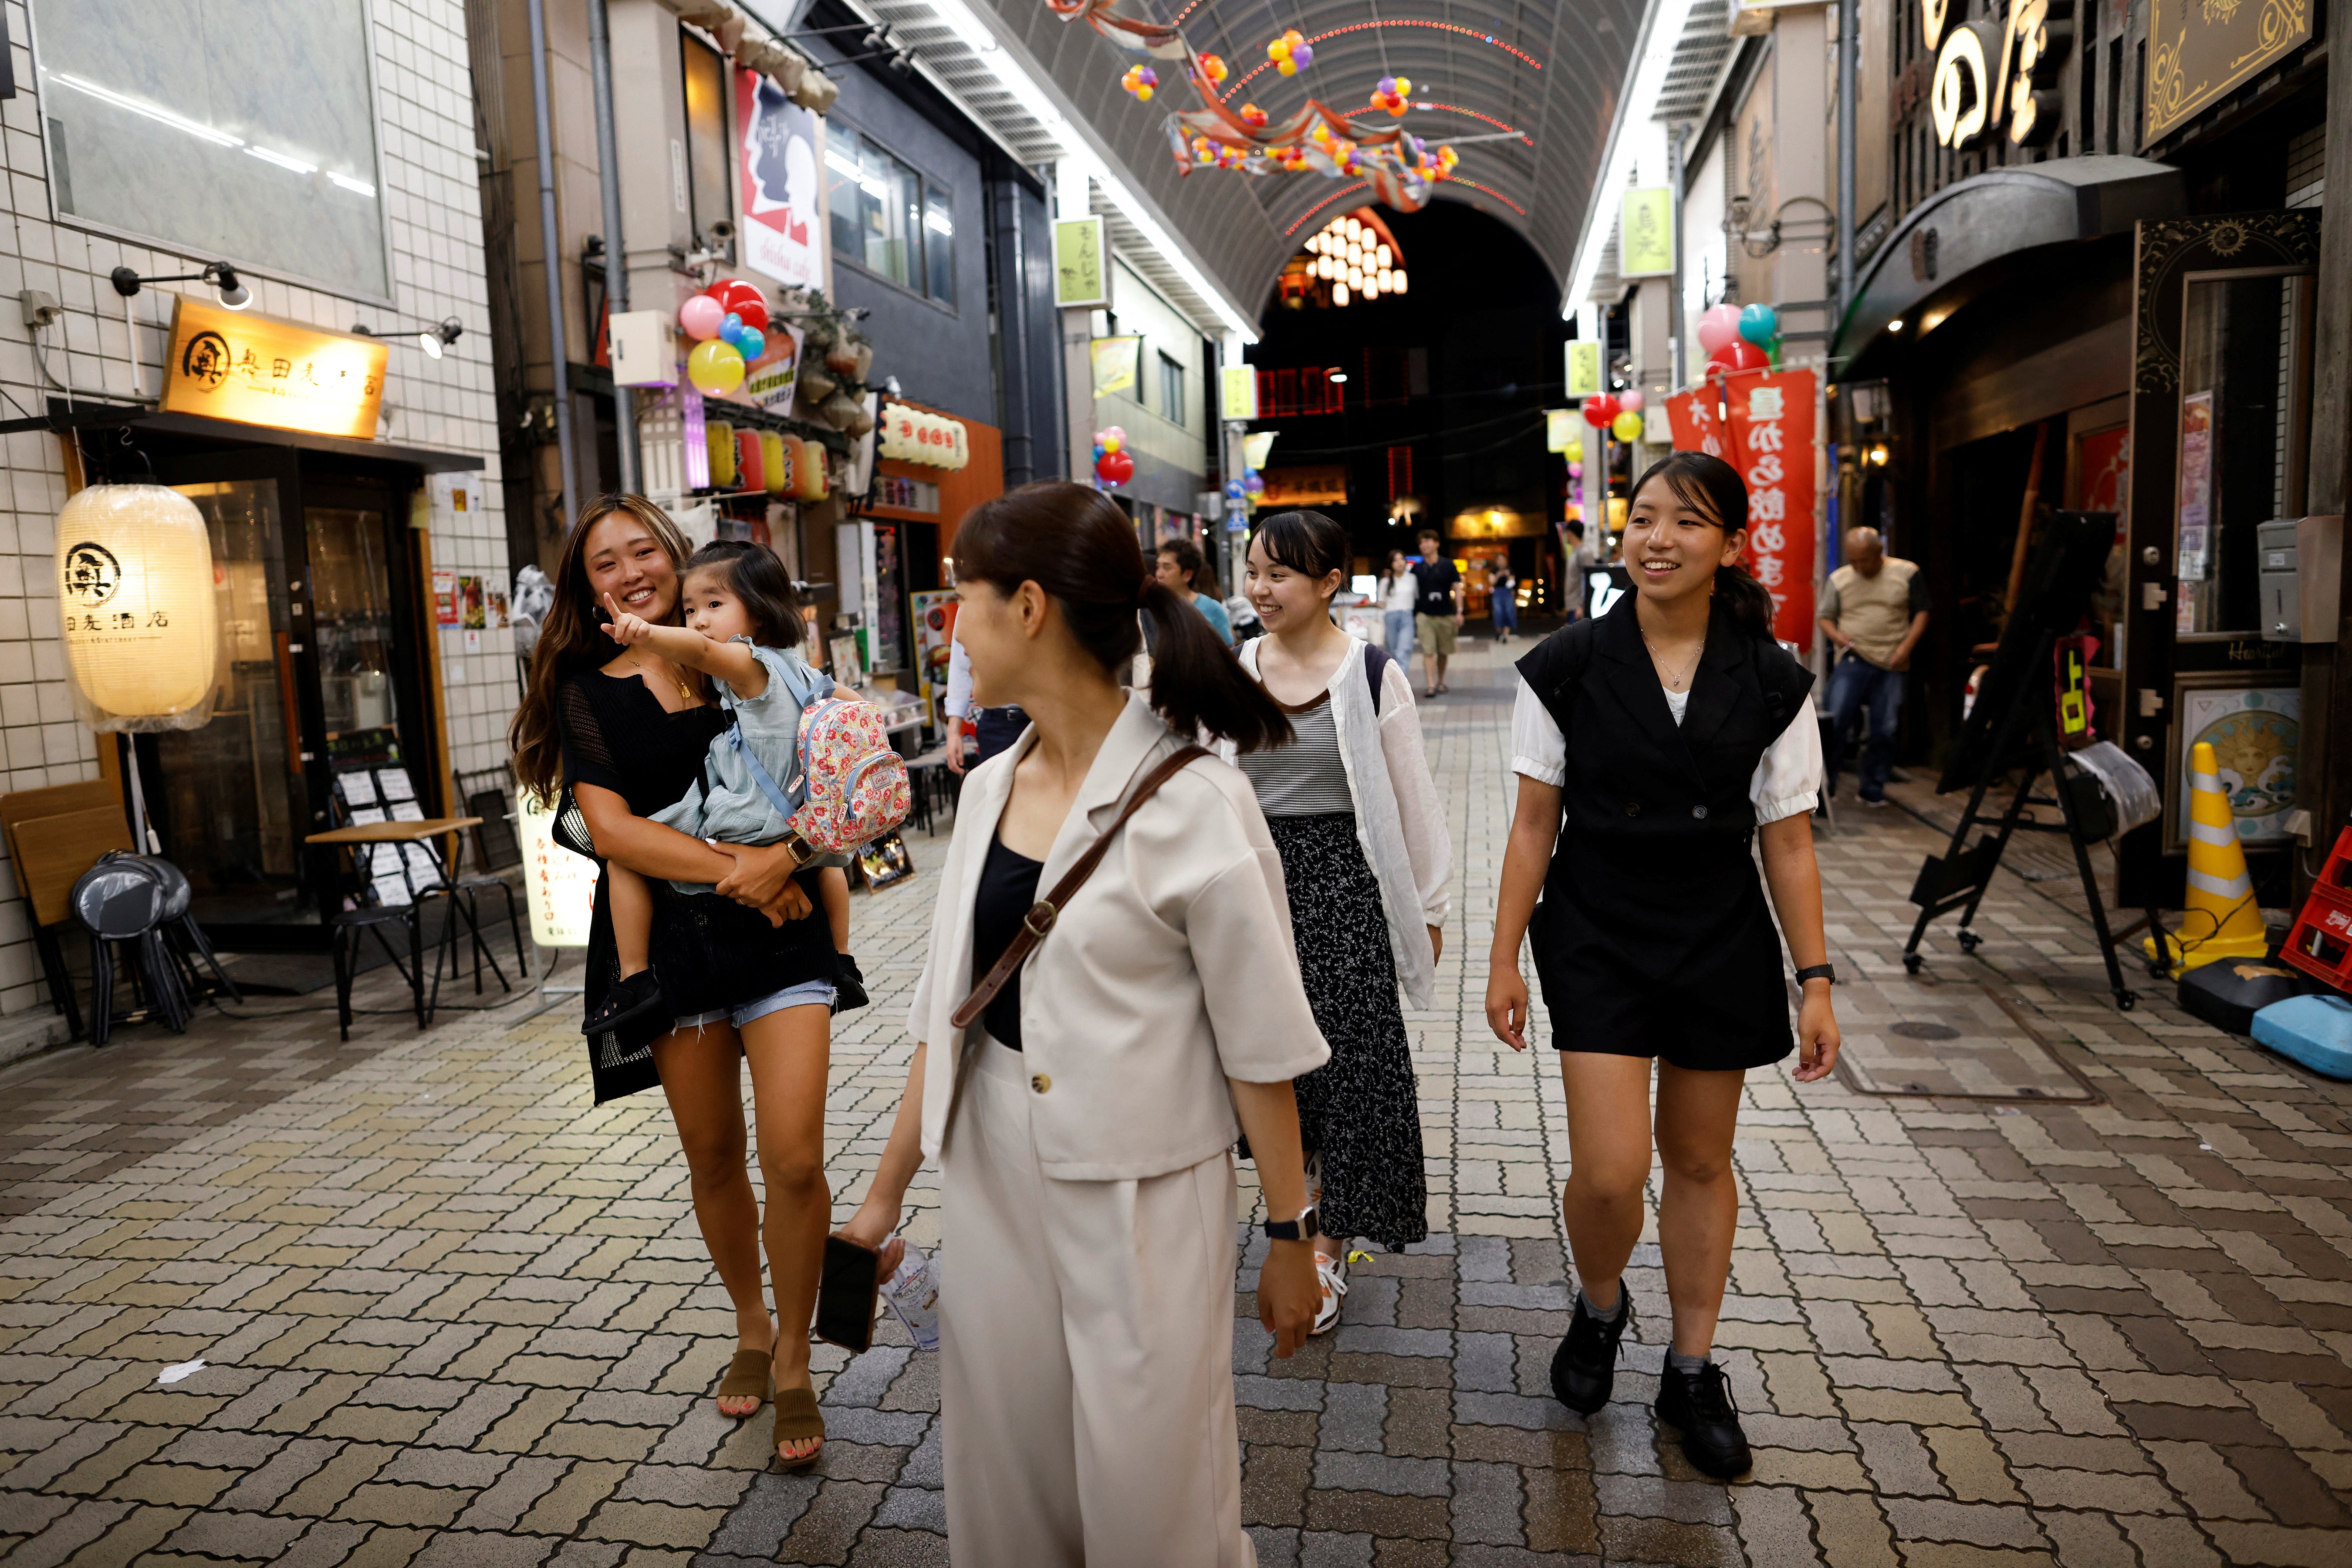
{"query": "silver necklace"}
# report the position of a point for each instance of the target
(1674, 683)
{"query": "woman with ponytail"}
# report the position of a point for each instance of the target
(1658, 747)
(1079, 1079)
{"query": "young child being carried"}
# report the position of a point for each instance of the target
(743, 630)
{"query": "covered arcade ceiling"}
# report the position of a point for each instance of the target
(1524, 92)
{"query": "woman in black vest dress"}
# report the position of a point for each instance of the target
(1655, 746)
(619, 733)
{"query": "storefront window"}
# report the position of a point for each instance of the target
(2244, 429)
(352, 606)
(251, 141)
(886, 220)
(708, 179)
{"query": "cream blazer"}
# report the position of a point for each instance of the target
(1171, 971)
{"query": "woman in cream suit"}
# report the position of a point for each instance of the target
(1084, 1119)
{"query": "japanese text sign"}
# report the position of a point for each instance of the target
(559, 886)
(1765, 428)
(258, 370)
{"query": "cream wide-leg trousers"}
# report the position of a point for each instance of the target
(1086, 1352)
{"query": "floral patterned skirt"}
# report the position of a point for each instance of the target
(1360, 1112)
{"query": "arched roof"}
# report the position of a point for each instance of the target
(1540, 77)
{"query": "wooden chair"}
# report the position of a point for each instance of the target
(54, 836)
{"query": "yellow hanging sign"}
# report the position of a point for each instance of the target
(258, 370)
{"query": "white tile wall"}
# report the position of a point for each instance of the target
(427, 124)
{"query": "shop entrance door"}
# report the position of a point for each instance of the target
(309, 573)
(2220, 429)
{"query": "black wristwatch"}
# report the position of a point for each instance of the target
(1817, 972)
(1299, 1229)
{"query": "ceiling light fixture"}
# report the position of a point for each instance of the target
(1895, 326)
(232, 294)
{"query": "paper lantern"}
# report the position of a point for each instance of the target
(808, 468)
(136, 598)
(750, 460)
(776, 468)
(720, 436)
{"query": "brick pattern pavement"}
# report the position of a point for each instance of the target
(454, 1314)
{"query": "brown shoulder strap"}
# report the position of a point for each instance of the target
(1043, 913)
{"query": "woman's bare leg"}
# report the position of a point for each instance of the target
(1699, 1206)
(701, 1077)
(789, 1052)
(1609, 1161)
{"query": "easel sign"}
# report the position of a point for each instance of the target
(560, 885)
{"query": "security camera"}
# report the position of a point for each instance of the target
(721, 231)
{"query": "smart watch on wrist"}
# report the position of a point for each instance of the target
(1817, 972)
(1299, 1229)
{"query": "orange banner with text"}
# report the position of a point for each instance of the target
(1763, 422)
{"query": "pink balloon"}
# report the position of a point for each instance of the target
(1115, 434)
(1576, 470)
(1719, 326)
(700, 317)
(1630, 402)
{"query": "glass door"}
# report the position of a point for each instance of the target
(352, 618)
(231, 800)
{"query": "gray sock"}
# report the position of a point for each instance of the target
(1688, 1364)
(1612, 1315)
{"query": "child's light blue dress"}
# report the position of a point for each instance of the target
(728, 806)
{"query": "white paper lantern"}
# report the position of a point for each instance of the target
(135, 603)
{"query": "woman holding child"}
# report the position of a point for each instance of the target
(624, 708)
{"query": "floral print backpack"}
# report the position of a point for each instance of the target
(848, 786)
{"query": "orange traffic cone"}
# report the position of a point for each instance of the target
(2222, 920)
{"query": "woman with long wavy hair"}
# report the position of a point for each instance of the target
(615, 734)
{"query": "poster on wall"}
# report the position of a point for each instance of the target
(2255, 733)
(772, 380)
(444, 596)
(784, 231)
(933, 611)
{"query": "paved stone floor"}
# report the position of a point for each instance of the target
(452, 1313)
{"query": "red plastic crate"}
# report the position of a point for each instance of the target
(2320, 942)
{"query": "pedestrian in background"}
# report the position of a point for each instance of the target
(1503, 590)
(1085, 1112)
(1178, 566)
(1874, 608)
(1398, 591)
(1655, 745)
(613, 737)
(1365, 864)
(989, 730)
(1437, 609)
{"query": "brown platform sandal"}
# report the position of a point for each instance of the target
(747, 1378)
(797, 1417)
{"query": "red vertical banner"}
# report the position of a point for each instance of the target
(1773, 421)
(1696, 428)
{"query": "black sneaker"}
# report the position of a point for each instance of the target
(1700, 1404)
(1585, 1366)
(848, 984)
(631, 1001)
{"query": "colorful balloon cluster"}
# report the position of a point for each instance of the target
(1253, 116)
(1139, 81)
(1113, 466)
(1212, 69)
(1738, 339)
(1245, 491)
(1619, 415)
(729, 322)
(1393, 93)
(1290, 51)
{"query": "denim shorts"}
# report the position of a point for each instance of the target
(808, 994)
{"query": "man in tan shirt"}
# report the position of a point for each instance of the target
(1873, 608)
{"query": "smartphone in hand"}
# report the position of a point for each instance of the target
(848, 1294)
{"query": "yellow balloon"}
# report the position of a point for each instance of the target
(1112, 444)
(1575, 452)
(1404, 85)
(716, 368)
(1627, 426)
(1287, 65)
(1143, 95)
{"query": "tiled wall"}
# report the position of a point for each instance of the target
(425, 97)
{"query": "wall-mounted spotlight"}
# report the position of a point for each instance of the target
(433, 340)
(231, 293)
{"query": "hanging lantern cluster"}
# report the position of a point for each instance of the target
(916, 436)
(1113, 466)
(1737, 338)
(136, 602)
(1348, 259)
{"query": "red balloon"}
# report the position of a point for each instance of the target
(1599, 410)
(1115, 468)
(1737, 355)
(743, 297)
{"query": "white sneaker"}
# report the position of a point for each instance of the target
(1333, 1274)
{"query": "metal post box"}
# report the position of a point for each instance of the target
(2300, 561)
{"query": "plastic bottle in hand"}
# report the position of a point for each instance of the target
(913, 1292)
